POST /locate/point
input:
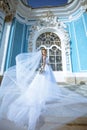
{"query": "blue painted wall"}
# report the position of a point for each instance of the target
(78, 29)
(17, 42)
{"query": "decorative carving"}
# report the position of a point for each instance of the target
(5, 6)
(48, 22)
(9, 18)
(1, 3)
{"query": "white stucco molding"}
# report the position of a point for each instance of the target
(49, 23)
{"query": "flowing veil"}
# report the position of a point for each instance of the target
(25, 94)
(22, 73)
(27, 65)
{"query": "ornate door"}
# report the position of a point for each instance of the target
(52, 43)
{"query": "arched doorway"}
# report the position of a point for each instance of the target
(52, 43)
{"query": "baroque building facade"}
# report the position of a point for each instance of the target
(61, 30)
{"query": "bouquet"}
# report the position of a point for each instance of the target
(41, 69)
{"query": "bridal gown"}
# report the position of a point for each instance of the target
(26, 94)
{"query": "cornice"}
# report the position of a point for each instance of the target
(65, 11)
(69, 12)
(57, 11)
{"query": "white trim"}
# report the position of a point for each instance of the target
(83, 70)
(69, 30)
(70, 47)
(20, 18)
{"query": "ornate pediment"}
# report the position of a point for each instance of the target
(50, 21)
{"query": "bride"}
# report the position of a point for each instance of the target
(29, 90)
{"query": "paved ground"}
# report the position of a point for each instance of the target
(50, 123)
(79, 124)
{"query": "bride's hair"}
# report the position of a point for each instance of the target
(43, 49)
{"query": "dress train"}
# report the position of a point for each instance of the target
(24, 100)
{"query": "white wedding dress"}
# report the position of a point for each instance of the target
(26, 94)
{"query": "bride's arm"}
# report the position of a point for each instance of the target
(44, 61)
